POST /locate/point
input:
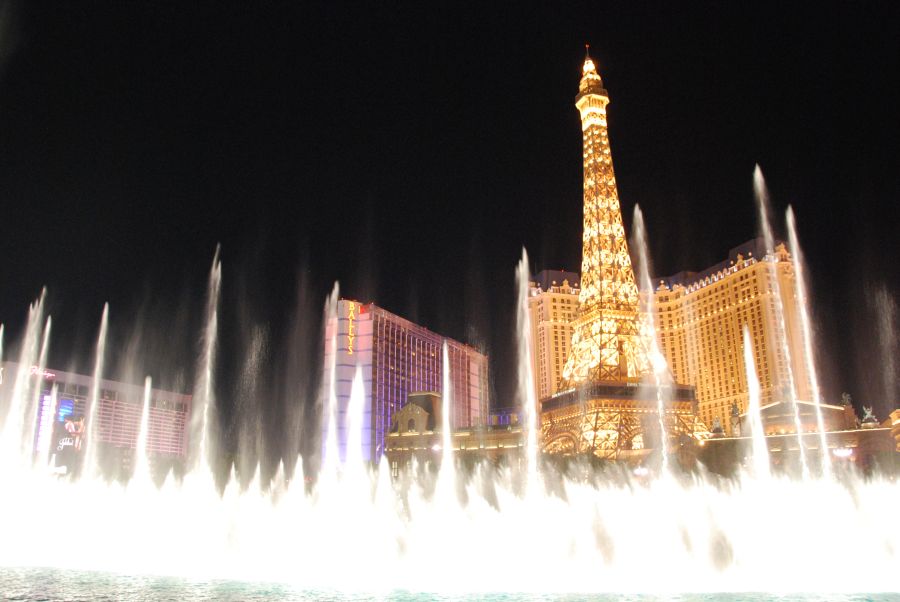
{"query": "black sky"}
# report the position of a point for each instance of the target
(410, 151)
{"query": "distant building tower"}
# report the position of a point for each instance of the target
(552, 307)
(606, 341)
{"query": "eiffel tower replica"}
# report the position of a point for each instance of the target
(608, 404)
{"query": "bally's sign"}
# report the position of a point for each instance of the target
(351, 326)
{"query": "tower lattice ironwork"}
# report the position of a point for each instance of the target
(607, 342)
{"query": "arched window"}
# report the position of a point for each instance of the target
(411, 425)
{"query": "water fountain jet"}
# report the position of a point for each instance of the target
(446, 485)
(141, 476)
(763, 207)
(90, 461)
(593, 531)
(45, 428)
(204, 398)
(759, 448)
(330, 461)
(806, 330)
(527, 395)
(34, 402)
(658, 363)
(12, 434)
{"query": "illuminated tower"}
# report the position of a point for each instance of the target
(606, 343)
(603, 409)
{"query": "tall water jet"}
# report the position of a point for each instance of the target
(13, 426)
(402, 538)
(527, 394)
(204, 397)
(759, 448)
(885, 308)
(765, 224)
(27, 448)
(330, 460)
(657, 359)
(4, 403)
(89, 465)
(447, 474)
(248, 410)
(354, 464)
(45, 426)
(806, 330)
(141, 475)
(761, 194)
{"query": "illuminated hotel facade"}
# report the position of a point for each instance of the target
(700, 317)
(64, 403)
(397, 357)
(552, 306)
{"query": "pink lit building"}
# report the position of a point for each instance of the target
(398, 357)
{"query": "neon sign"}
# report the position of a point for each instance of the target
(44, 373)
(351, 316)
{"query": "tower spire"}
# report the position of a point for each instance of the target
(607, 343)
(591, 83)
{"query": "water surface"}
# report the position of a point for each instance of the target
(54, 584)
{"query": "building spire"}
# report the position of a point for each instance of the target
(591, 83)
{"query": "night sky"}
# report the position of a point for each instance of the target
(411, 151)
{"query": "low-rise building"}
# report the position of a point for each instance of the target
(416, 434)
(63, 408)
(867, 445)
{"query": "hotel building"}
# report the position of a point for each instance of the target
(64, 404)
(397, 357)
(552, 306)
(700, 317)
